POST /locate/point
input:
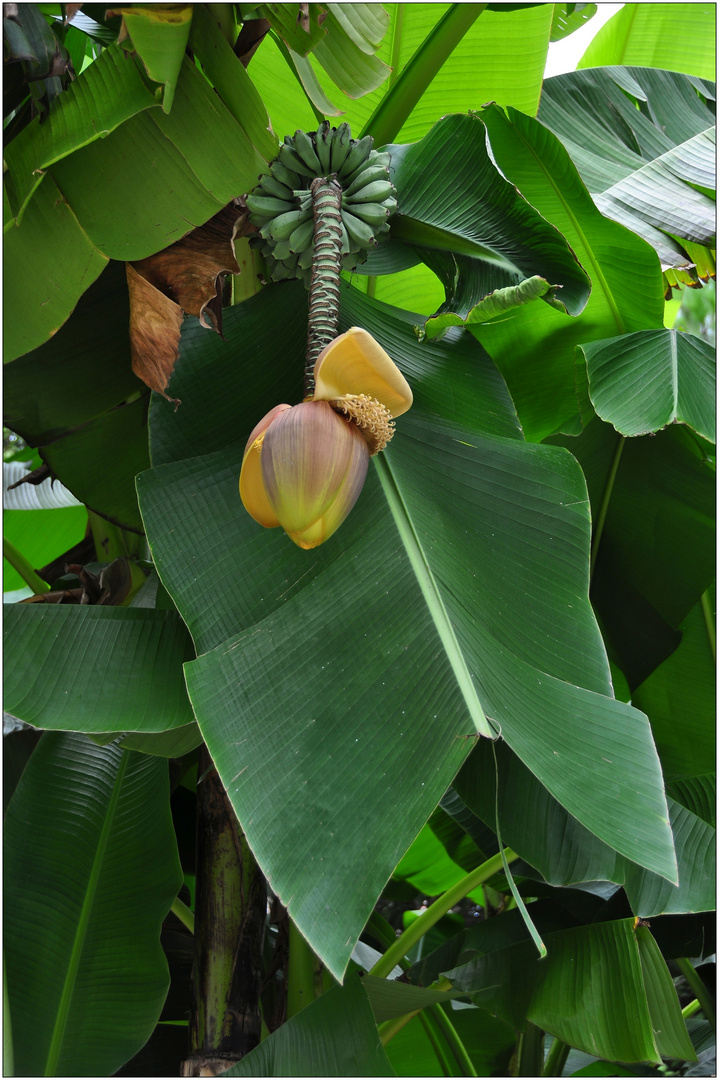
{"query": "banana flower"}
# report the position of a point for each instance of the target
(304, 465)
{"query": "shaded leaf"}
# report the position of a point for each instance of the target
(668, 1023)
(598, 965)
(96, 669)
(680, 699)
(164, 173)
(333, 1036)
(390, 998)
(89, 820)
(695, 843)
(50, 235)
(627, 290)
(89, 462)
(641, 382)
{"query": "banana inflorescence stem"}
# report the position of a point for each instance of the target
(324, 299)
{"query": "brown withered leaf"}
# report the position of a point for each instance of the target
(183, 279)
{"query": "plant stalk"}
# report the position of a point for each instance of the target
(303, 973)
(604, 506)
(696, 983)
(18, 562)
(324, 300)
(231, 907)
(435, 911)
(556, 1058)
(706, 603)
(530, 1055)
(184, 914)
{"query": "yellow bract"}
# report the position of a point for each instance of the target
(354, 363)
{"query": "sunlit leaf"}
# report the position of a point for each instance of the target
(657, 35)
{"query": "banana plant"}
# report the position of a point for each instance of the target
(381, 738)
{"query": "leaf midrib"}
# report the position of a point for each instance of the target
(432, 597)
(63, 1010)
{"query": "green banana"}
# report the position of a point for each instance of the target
(367, 176)
(302, 236)
(374, 192)
(323, 141)
(270, 186)
(305, 259)
(359, 152)
(372, 213)
(341, 146)
(269, 205)
(285, 176)
(358, 230)
(282, 227)
(293, 161)
(281, 250)
(305, 148)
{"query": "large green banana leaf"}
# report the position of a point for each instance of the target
(644, 143)
(642, 382)
(656, 498)
(534, 344)
(658, 35)
(86, 974)
(413, 602)
(552, 841)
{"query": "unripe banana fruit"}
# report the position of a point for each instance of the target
(281, 204)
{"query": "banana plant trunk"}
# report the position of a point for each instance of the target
(230, 914)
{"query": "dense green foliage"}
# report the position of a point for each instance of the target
(531, 559)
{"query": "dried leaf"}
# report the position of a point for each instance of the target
(185, 278)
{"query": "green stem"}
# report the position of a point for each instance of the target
(709, 622)
(453, 1041)
(434, 913)
(183, 913)
(24, 569)
(389, 1028)
(604, 506)
(531, 1051)
(324, 299)
(301, 973)
(399, 101)
(696, 983)
(556, 1058)
(7, 1049)
(689, 1010)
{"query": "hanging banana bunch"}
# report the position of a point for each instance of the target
(282, 203)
